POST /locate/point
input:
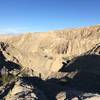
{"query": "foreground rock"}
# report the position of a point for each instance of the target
(22, 91)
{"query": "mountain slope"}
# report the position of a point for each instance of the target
(45, 52)
(65, 61)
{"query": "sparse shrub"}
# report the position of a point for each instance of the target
(24, 74)
(7, 78)
(45, 56)
(65, 58)
(50, 57)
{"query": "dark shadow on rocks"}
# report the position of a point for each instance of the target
(50, 87)
(86, 82)
(83, 63)
(6, 90)
(7, 78)
(9, 65)
(87, 78)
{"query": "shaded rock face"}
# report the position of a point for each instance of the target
(3, 46)
(24, 91)
(8, 72)
(7, 66)
(86, 69)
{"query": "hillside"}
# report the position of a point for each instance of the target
(55, 65)
(44, 52)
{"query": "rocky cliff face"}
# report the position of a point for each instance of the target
(51, 66)
(51, 48)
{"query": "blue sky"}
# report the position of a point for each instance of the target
(45, 15)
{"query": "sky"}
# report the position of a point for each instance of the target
(45, 15)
